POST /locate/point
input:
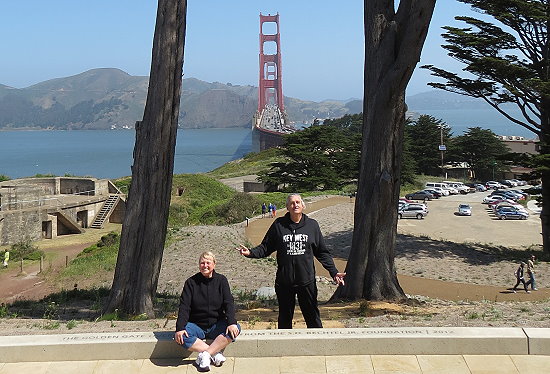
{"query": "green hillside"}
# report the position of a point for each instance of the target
(110, 98)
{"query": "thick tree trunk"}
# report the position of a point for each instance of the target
(144, 228)
(393, 42)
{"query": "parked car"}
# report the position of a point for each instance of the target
(521, 192)
(508, 201)
(436, 194)
(420, 195)
(480, 187)
(440, 186)
(511, 213)
(418, 211)
(508, 183)
(459, 186)
(492, 198)
(535, 190)
(519, 182)
(494, 185)
(464, 210)
(508, 195)
(508, 204)
(472, 187)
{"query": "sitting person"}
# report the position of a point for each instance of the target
(206, 310)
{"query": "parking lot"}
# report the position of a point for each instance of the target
(482, 226)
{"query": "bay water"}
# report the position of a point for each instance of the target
(108, 154)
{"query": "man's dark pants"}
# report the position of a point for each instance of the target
(307, 299)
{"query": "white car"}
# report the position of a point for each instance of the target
(491, 199)
(494, 185)
(442, 191)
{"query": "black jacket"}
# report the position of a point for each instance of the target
(204, 301)
(295, 244)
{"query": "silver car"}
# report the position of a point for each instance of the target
(464, 210)
(418, 211)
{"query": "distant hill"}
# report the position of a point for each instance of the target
(108, 98)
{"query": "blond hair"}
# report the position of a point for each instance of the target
(295, 194)
(208, 256)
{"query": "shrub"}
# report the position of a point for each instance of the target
(25, 250)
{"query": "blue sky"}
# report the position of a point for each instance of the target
(321, 42)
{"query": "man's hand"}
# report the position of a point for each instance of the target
(243, 250)
(178, 336)
(232, 330)
(339, 279)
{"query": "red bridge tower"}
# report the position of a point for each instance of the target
(271, 77)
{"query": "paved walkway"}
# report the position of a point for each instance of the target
(377, 364)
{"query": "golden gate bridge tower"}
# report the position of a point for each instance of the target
(270, 122)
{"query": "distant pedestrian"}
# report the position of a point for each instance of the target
(270, 210)
(274, 211)
(520, 278)
(6, 258)
(264, 210)
(531, 273)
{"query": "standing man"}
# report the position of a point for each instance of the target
(531, 272)
(296, 238)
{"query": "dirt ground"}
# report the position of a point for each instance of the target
(445, 263)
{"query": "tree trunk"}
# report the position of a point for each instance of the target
(144, 228)
(393, 42)
(544, 137)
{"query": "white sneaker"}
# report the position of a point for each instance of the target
(203, 361)
(218, 359)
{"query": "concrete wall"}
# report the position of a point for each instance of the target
(102, 187)
(18, 225)
(253, 187)
(77, 186)
(20, 197)
(117, 216)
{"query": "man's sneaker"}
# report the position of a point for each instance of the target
(535, 289)
(218, 359)
(203, 361)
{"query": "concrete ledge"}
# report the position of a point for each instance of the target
(539, 341)
(277, 343)
(394, 341)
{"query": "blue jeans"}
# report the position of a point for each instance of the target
(195, 332)
(531, 281)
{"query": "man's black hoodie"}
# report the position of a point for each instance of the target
(295, 244)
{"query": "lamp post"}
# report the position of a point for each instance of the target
(442, 148)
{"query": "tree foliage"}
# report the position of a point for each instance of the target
(506, 61)
(425, 135)
(319, 157)
(504, 65)
(482, 150)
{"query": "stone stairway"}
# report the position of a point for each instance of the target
(105, 212)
